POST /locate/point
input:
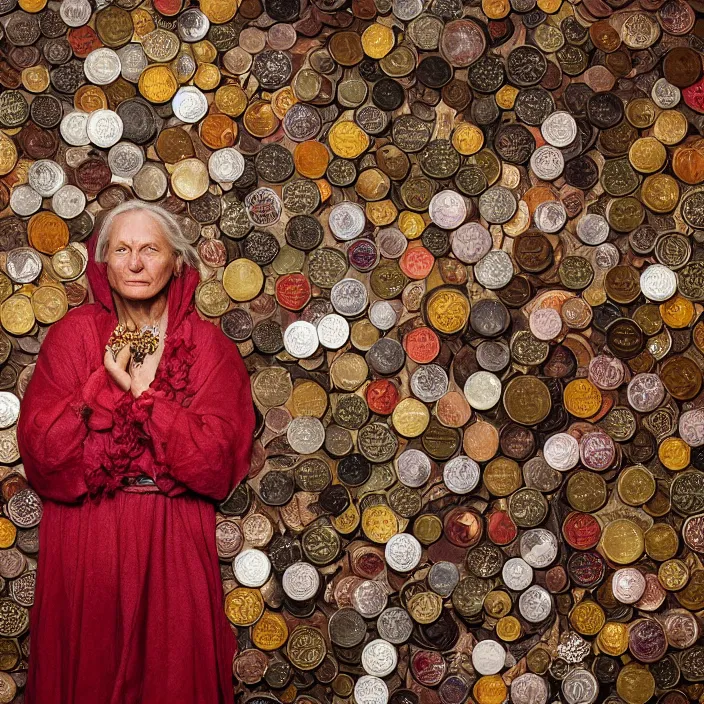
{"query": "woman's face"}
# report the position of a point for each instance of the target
(140, 260)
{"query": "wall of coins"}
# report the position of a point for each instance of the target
(460, 247)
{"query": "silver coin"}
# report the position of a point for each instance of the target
(226, 165)
(559, 129)
(482, 390)
(517, 574)
(403, 553)
(606, 256)
(9, 409)
(645, 392)
(73, 128)
(665, 95)
(133, 61)
(189, 104)
(580, 687)
(497, 205)
(561, 452)
(382, 315)
(252, 568)
(488, 657)
(538, 547)
(75, 13)
(346, 220)
(349, 297)
(23, 265)
(68, 202)
(301, 339)
(407, 10)
(495, 270)
(535, 604)
(395, 625)
(25, 201)
(150, 182)
(300, 581)
(461, 474)
(529, 688)
(447, 209)
(193, 25)
(471, 242)
(379, 658)
(628, 585)
(46, 177)
(429, 383)
(305, 434)
(550, 216)
(102, 66)
(369, 598)
(263, 206)
(333, 331)
(125, 159)
(593, 229)
(547, 162)
(104, 128)
(391, 242)
(658, 283)
(691, 427)
(413, 468)
(370, 690)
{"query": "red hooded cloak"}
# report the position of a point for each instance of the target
(128, 600)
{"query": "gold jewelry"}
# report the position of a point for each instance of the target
(142, 342)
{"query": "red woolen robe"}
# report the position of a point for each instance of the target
(129, 604)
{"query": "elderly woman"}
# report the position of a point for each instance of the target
(138, 415)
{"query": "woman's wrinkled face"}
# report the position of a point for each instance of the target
(140, 260)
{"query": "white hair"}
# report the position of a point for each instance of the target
(169, 225)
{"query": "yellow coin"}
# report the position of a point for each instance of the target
(467, 138)
(143, 21)
(49, 303)
(424, 607)
(204, 52)
(587, 618)
(207, 77)
(674, 453)
(496, 9)
(636, 485)
(582, 398)
(381, 212)
(35, 79)
(157, 83)
(347, 140)
(17, 315)
(242, 279)
(211, 298)
(427, 528)
(635, 683)
(670, 127)
(32, 5)
(379, 523)
(189, 179)
(613, 638)
(677, 312)
(219, 11)
(348, 521)
(8, 154)
(622, 541)
(508, 629)
(673, 575)
(490, 689)
(410, 417)
(411, 224)
(497, 603)
(231, 100)
(282, 101)
(244, 606)
(549, 7)
(378, 40)
(661, 542)
(506, 97)
(8, 533)
(660, 193)
(447, 310)
(270, 632)
(647, 155)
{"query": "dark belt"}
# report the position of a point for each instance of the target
(140, 484)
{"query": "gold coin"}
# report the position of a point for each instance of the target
(282, 100)
(661, 542)
(32, 5)
(204, 52)
(496, 9)
(549, 7)
(306, 648)
(647, 155)
(448, 310)
(509, 629)
(242, 279)
(673, 575)
(622, 541)
(613, 638)
(635, 683)
(660, 193)
(582, 398)
(211, 298)
(641, 112)
(189, 179)
(670, 127)
(467, 138)
(8, 533)
(427, 528)
(674, 453)
(49, 303)
(219, 11)
(8, 154)
(411, 224)
(497, 603)
(381, 213)
(425, 607)
(506, 97)
(157, 83)
(348, 521)
(636, 485)
(143, 21)
(270, 632)
(587, 618)
(259, 119)
(207, 77)
(244, 606)
(379, 523)
(410, 417)
(347, 140)
(231, 100)
(677, 312)
(502, 476)
(35, 79)
(490, 689)
(377, 40)
(17, 315)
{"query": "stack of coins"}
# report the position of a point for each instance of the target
(460, 246)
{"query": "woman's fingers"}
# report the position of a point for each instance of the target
(123, 357)
(118, 373)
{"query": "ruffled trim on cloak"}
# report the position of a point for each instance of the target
(119, 452)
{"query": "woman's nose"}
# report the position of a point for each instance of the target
(135, 262)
